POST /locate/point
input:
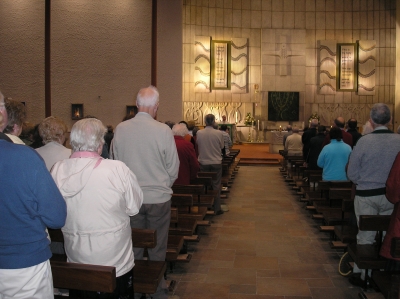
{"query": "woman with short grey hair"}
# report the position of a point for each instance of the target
(101, 195)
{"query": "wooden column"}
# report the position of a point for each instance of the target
(154, 44)
(47, 70)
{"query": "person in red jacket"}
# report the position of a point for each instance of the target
(393, 195)
(189, 166)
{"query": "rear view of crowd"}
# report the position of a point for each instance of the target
(97, 190)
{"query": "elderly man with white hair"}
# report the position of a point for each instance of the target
(369, 167)
(148, 148)
(188, 164)
(101, 195)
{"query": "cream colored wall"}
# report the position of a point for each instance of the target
(340, 20)
(100, 57)
(22, 53)
(98, 48)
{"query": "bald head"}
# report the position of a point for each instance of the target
(314, 123)
(339, 122)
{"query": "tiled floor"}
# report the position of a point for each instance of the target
(266, 246)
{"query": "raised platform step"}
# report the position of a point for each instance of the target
(259, 161)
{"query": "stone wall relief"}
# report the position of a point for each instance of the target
(328, 112)
(196, 111)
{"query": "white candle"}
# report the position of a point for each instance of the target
(236, 116)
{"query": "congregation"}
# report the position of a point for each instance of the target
(98, 190)
(107, 184)
(367, 161)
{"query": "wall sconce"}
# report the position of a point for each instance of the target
(76, 111)
(256, 88)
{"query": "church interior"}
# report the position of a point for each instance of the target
(263, 64)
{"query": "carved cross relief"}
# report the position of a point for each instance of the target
(283, 53)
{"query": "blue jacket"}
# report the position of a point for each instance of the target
(333, 159)
(29, 202)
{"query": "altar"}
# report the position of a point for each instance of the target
(276, 143)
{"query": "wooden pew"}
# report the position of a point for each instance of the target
(346, 232)
(200, 198)
(183, 203)
(309, 182)
(147, 274)
(387, 282)
(367, 256)
(83, 277)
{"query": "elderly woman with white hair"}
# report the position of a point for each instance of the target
(53, 132)
(101, 195)
(189, 165)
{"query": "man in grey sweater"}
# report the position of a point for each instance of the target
(148, 148)
(369, 167)
(210, 142)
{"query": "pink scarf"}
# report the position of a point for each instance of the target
(87, 155)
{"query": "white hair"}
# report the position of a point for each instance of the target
(147, 97)
(180, 130)
(87, 135)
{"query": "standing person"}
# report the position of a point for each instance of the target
(148, 148)
(227, 139)
(293, 144)
(307, 135)
(29, 202)
(16, 115)
(334, 157)
(288, 133)
(352, 129)
(315, 149)
(369, 167)
(53, 132)
(210, 142)
(188, 164)
(347, 138)
(100, 195)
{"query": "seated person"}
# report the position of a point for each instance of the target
(334, 157)
(53, 132)
(227, 139)
(188, 164)
(100, 195)
(16, 116)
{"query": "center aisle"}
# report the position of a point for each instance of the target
(266, 246)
